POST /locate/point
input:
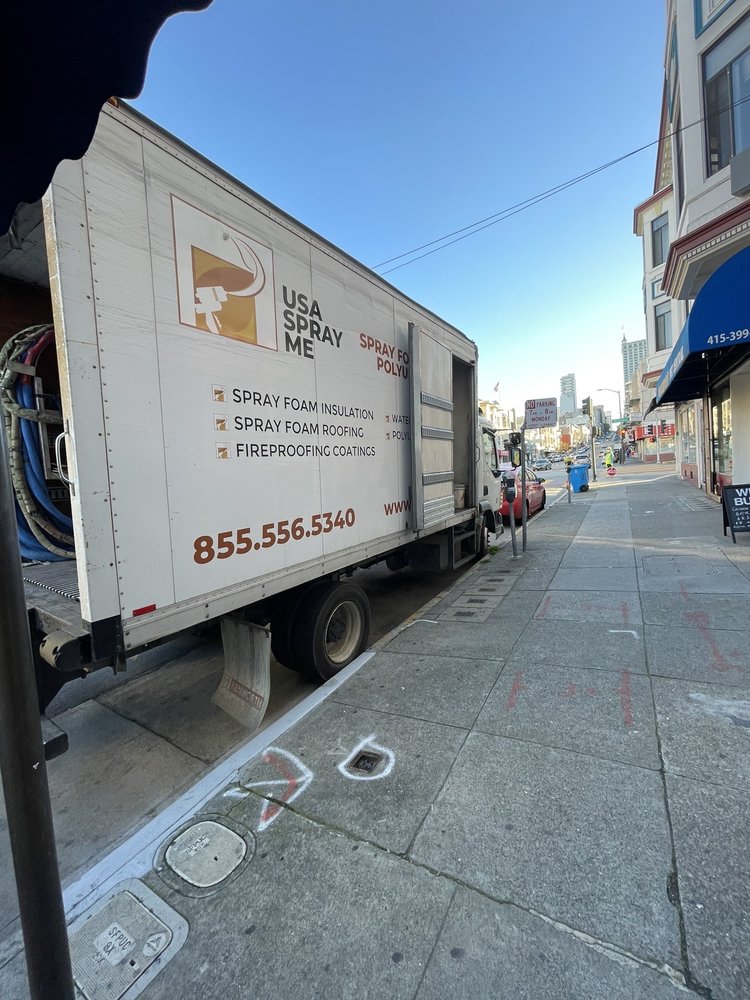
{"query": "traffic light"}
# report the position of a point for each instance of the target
(663, 426)
(586, 407)
(649, 430)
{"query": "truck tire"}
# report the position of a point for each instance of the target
(283, 615)
(330, 629)
(483, 541)
(280, 638)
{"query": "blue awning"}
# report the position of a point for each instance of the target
(716, 336)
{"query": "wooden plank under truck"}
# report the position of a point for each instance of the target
(229, 414)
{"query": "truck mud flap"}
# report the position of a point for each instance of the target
(246, 682)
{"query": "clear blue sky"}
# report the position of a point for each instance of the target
(385, 126)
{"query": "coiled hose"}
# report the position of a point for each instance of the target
(44, 531)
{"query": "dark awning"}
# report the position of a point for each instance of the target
(715, 338)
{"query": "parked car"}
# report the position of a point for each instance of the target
(541, 465)
(536, 494)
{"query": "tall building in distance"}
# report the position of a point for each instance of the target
(633, 352)
(568, 399)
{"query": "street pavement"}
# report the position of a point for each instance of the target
(537, 788)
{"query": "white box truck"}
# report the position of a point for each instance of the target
(246, 416)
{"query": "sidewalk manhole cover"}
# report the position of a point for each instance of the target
(365, 762)
(114, 945)
(206, 853)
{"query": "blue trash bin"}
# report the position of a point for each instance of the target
(579, 478)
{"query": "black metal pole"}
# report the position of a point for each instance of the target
(523, 487)
(593, 453)
(512, 519)
(24, 773)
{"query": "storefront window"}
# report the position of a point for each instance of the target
(721, 427)
(688, 440)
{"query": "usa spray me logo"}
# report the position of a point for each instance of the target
(224, 278)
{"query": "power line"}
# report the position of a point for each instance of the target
(491, 220)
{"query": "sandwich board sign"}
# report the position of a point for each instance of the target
(540, 413)
(735, 502)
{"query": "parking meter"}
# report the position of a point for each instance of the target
(509, 492)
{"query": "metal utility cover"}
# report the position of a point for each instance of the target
(677, 566)
(366, 762)
(454, 614)
(206, 853)
(499, 588)
(473, 600)
(114, 947)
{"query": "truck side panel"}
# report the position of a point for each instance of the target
(282, 419)
(444, 415)
(254, 385)
(74, 309)
(382, 491)
(117, 217)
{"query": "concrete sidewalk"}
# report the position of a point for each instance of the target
(538, 790)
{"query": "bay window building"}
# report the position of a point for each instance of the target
(701, 318)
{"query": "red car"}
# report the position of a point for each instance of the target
(536, 494)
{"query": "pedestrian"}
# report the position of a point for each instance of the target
(609, 458)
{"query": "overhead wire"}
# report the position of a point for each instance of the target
(491, 220)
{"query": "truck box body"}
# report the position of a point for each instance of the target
(246, 407)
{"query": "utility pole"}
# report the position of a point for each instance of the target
(24, 772)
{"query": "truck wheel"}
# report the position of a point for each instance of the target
(331, 628)
(280, 640)
(483, 542)
(283, 623)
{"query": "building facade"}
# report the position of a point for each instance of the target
(654, 221)
(703, 188)
(633, 352)
(568, 395)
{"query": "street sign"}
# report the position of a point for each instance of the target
(540, 413)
